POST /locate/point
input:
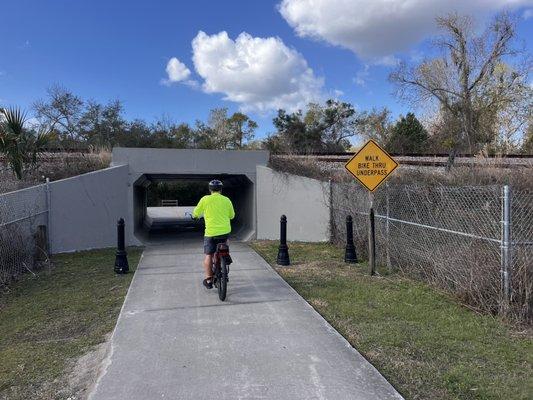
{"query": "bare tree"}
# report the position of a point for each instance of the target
(61, 110)
(470, 80)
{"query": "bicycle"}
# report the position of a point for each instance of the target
(220, 267)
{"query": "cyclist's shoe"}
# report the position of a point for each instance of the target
(208, 284)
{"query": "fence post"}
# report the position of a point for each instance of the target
(372, 237)
(283, 250)
(121, 258)
(331, 215)
(505, 248)
(48, 215)
(349, 255)
(387, 228)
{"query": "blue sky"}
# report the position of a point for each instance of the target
(107, 50)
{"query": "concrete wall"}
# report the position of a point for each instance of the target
(187, 161)
(304, 201)
(85, 209)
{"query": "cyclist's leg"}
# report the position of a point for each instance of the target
(208, 261)
(209, 250)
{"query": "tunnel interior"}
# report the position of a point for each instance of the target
(161, 203)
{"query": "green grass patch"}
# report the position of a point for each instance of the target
(423, 341)
(48, 321)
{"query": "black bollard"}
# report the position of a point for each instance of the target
(350, 256)
(283, 251)
(121, 259)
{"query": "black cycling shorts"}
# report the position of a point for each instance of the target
(210, 243)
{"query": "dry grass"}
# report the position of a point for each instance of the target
(55, 166)
(489, 172)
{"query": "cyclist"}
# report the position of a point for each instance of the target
(217, 211)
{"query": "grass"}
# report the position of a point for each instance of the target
(423, 341)
(48, 321)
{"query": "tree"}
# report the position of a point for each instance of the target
(221, 135)
(19, 145)
(322, 128)
(183, 136)
(223, 132)
(339, 121)
(527, 145)
(408, 136)
(137, 134)
(296, 134)
(61, 111)
(469, 80)
(375, 125)
(101, 124)
(242, 129)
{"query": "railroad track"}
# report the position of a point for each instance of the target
(431, 160)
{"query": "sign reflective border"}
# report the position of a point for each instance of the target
(371, 165)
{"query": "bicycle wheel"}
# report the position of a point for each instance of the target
(223, 279)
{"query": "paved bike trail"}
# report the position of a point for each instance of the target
(174, 339)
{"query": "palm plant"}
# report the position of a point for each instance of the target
(19, 145)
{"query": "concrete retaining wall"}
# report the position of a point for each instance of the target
(85, 209)
(304, 201)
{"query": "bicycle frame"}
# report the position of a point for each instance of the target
(220, 275)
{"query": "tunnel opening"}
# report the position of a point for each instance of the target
(163, 203)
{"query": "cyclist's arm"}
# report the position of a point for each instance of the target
(199, 209)
(231, 210)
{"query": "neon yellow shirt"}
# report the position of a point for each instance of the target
(217, 211)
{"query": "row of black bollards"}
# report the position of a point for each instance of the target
(283, 258)
(350, 256)
(121, 258)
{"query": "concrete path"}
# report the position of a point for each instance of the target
(176, 340)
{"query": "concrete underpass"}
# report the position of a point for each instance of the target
(157, 222)
(151, 223)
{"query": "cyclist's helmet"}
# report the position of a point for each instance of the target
(215, 185)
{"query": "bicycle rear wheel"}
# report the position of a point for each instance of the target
(223, 279)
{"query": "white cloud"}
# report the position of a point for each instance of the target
(528, 13)
(177, 71)
(260, 74)
(362, 76)
(337, 93)
(374, 29)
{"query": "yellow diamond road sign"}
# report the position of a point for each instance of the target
(371, 165)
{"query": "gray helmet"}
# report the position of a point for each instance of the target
(215, 185)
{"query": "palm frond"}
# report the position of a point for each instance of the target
(14, 119)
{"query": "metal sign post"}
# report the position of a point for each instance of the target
(371, 166)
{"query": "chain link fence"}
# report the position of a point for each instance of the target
(452, 237)
(23, 237)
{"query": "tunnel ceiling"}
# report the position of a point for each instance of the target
(228, 179)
